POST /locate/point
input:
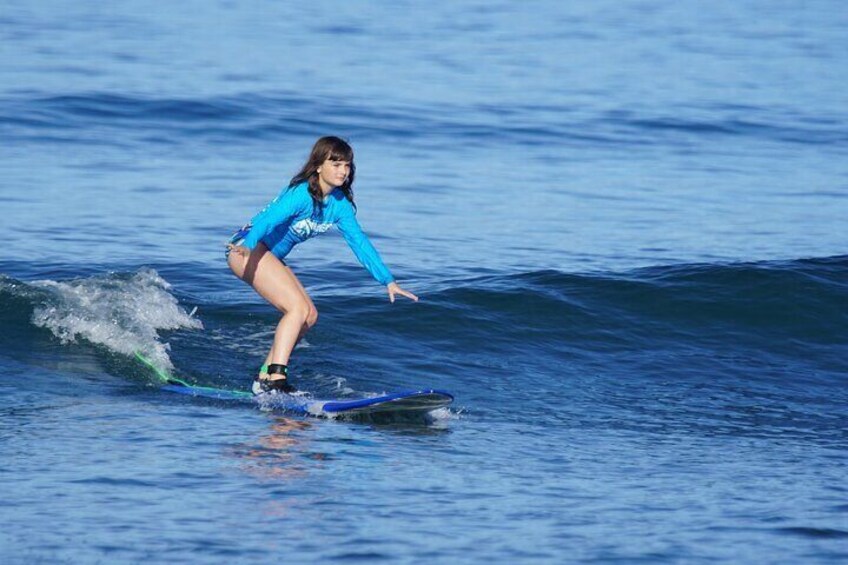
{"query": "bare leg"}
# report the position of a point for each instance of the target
(305, 328)
(277, 284)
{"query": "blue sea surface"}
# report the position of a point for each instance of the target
(626, 222)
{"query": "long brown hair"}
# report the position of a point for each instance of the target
(328, 147)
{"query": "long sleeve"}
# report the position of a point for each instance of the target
(288, 204)
(362, 247)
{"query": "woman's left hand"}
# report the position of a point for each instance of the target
(394, 288)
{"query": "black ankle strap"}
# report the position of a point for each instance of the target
(278, 369)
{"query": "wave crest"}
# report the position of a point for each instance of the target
(122, 313)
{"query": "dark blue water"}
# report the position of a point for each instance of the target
(625, 220)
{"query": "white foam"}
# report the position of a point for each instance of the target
(446, 414)
(340, 384)
(122, 314)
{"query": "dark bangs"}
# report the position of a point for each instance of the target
(339, 150)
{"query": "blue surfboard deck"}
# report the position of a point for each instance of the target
(408, 402)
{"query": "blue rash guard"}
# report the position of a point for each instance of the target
(291, 218)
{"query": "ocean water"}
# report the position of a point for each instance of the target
(625, 220)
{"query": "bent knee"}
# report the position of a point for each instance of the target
(312, 317)
(307, 313)
(301, 311)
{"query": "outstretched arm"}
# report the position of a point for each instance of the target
(368, 256)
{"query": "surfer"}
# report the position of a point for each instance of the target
(318, 197)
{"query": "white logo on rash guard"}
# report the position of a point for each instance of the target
(304, 229)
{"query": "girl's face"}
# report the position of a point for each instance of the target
(333, 173)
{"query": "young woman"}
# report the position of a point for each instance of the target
(318, 197)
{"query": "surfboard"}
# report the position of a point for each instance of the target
(403, 403)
